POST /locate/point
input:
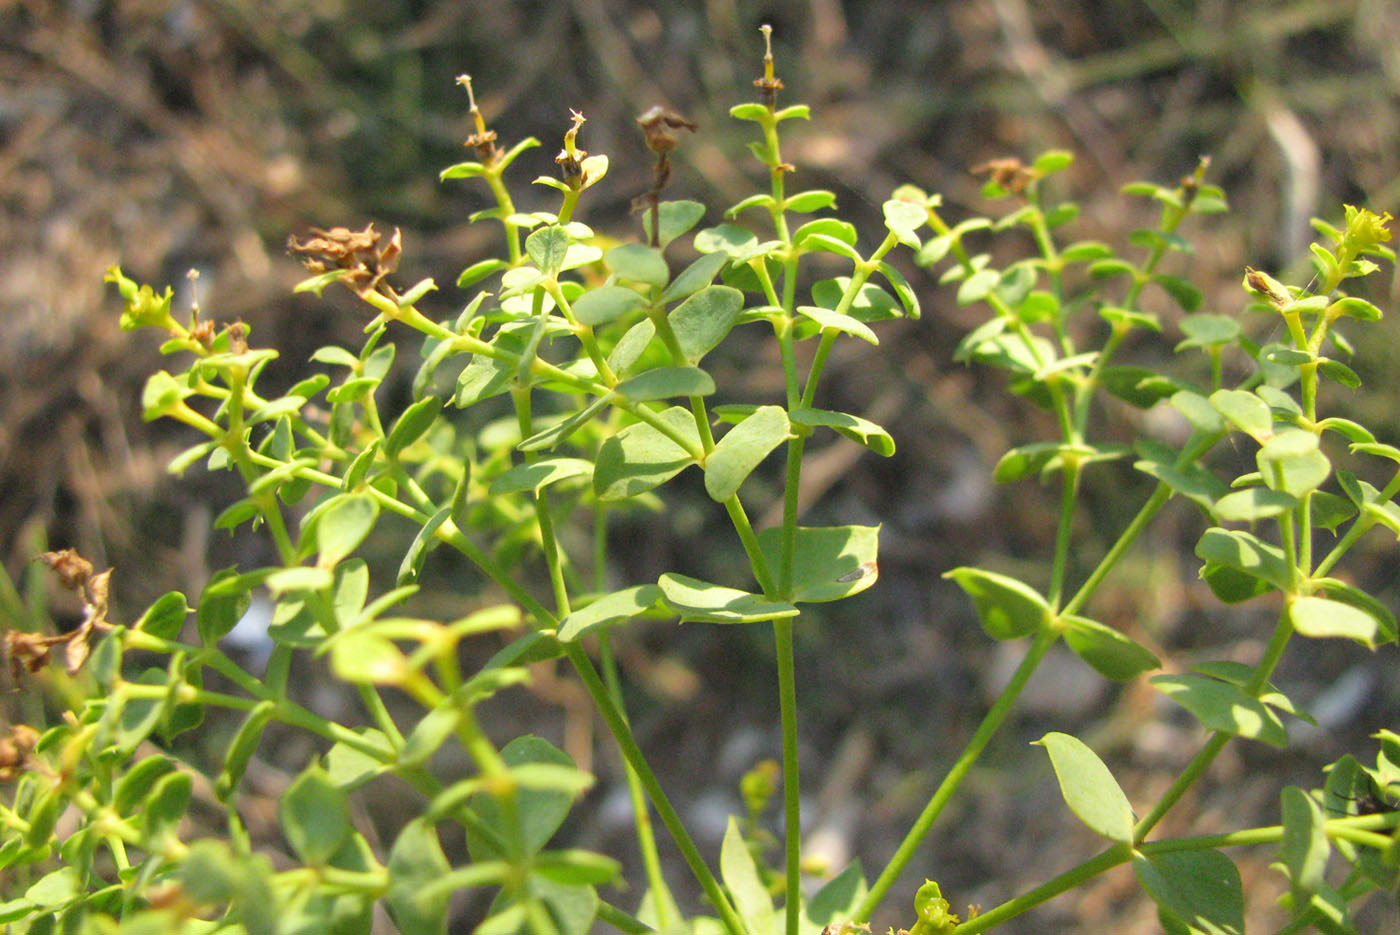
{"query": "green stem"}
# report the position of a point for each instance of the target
(792, 787)
(1119, 854)
(662, 899)
(627, 745)
(1069, 489)
(991, 723)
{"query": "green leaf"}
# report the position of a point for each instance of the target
(729, 239)
(429, 734)
(838, 898)
(1206, 331)
(342, 524)
(741, 878)
(635, 263)
(631, 346)
(907, 296)
(742, 449)
(546, 248)
(222, 604)
(666, 382)
(1248, 412)
(415, 861)
(903, 219)
(315, 816)
(56, 889)
(535, 477)
(416, 420)
(809, 201)
(1192, 481)
(1112, 654)
(1350, 594)
(1244, 552)
(843, 323)
(1320, 618)
(606, 303)
(696, 600)
(1181, 291)
(677, 217)
(1292, 462)
(162, 393)
(367, 659)
(166, 805)
(1304, 848)
(978, 286)
(349, 767)
(541, 810)
(1006, 608)
(828, 562)
(702, 321)
(166, 617)
(1221, 706)
(1196, 889)
(1252, 504)
(610, 609)
(859, 430)
(1088, 787)
(639, 457)
(423, 540)
(696, 276)
(479, 271)
(132, 789)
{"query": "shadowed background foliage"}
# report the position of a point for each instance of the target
(175, 135)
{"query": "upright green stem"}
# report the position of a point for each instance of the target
(993, 721)
(792, 786)
(632, 753)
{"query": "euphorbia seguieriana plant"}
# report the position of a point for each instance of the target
(570, 389)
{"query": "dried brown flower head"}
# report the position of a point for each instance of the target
(357, 252)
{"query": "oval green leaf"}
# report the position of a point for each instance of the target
(1088, 787)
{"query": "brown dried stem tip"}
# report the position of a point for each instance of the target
(15, 750)
(769, 85)
(659, 124)
(357, 252)
(30, 651)
(1010, 174)
(483, 140)
(570, 158)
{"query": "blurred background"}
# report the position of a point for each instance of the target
(175, 135)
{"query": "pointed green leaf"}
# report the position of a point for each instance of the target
(1198, 889)
(538, 475)
(696, 276)
(838, 898)
(166, 617)
(609, 609)
(1006, 608)
(1088, 787)
(1224, 707)
(859, 430)
(742, 449)
(696, 600)
(1112, 654)
(740, 875)
(702, 321)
